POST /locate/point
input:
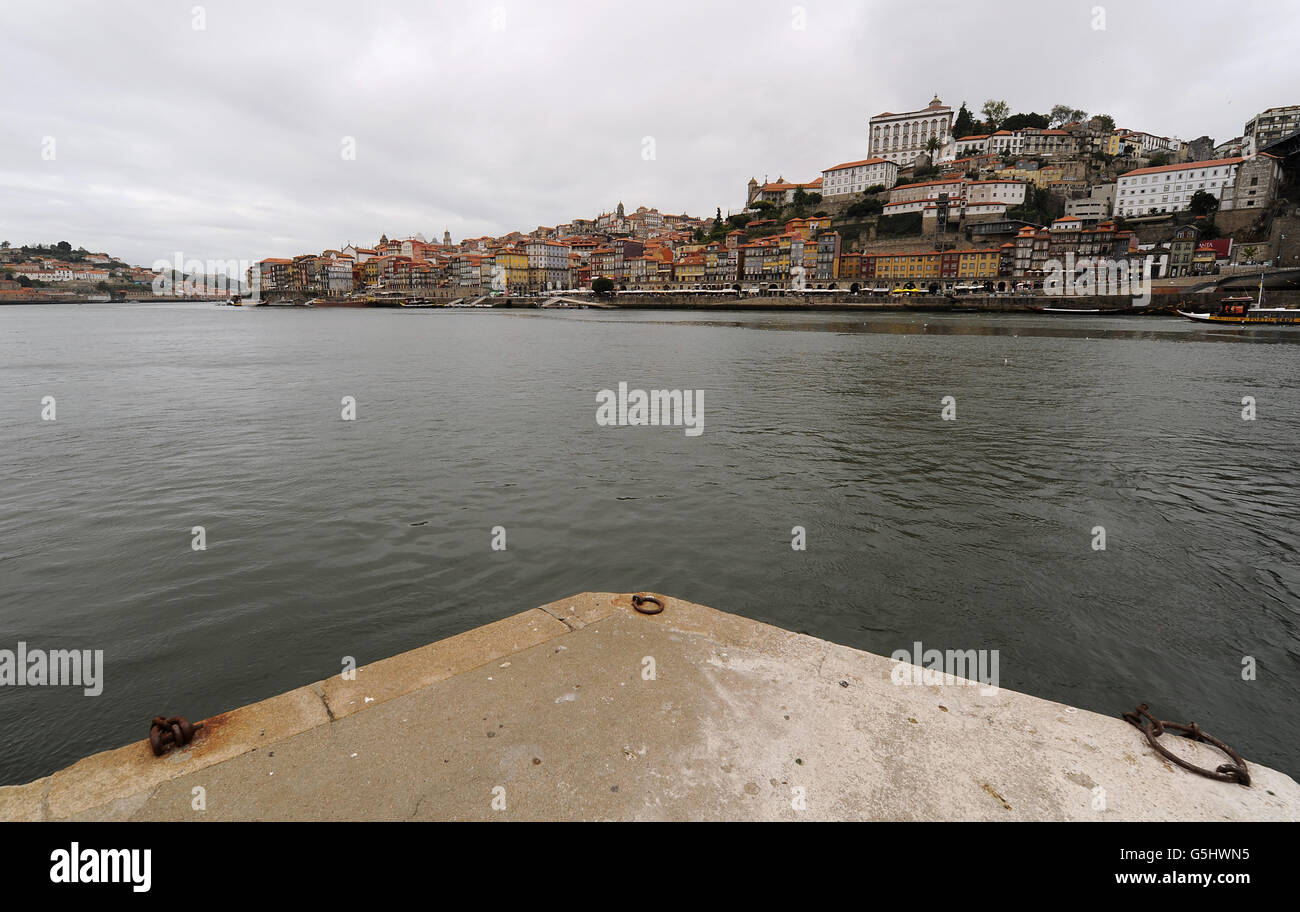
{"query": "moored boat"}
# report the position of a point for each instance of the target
(342, 302)
(1087, 311)
(1242, 310)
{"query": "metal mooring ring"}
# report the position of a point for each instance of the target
(166, 733)
(639, 601)
(1227, 772)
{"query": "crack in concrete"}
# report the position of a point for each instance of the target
(45, 797)
(316, 689)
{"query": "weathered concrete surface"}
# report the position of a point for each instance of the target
(554, 713)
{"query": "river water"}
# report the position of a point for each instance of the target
(328, 538)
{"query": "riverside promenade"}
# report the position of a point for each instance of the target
(585, 709)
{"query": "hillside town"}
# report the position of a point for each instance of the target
(57, 270)
(940, 198)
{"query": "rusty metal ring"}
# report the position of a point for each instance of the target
(165, 733)
(639, 600)
(1226, 772)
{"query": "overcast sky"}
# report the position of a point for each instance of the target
(485, 117)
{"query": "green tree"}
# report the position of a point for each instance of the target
(994, 112)
(1064, 114)
(1106, 121)
(909, 223)
(869, 205)
(64, 247)
(1203, 203)
(4, 245)
(964, 124)
(1021, 121)
(1158, 160)
(602, 285)
(932, 145)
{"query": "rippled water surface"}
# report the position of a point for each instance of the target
(328, 538)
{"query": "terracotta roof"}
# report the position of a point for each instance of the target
(854, 164)
(1186, 166)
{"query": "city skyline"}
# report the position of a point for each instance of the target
(177, 148)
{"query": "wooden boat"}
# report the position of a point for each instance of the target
(341, 302)
(1087, 311)
(1242, 310)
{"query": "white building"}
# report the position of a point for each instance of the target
(967, 146)
(1151, 143)
(854, 177)
(1006, 192)
(1170, 188)
(966, 198)
(551, 259)
(358, 254)
(1007, 142)
(338, 275)
(900, 138)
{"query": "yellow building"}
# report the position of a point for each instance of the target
(372, 270)
(977, 264)
(690, 269)
(907, 265)
(515, 263)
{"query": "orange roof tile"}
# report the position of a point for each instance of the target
(854, 164)
(1186, 166)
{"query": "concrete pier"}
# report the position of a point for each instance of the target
(585, 709)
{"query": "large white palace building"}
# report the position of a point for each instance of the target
(900, 138)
